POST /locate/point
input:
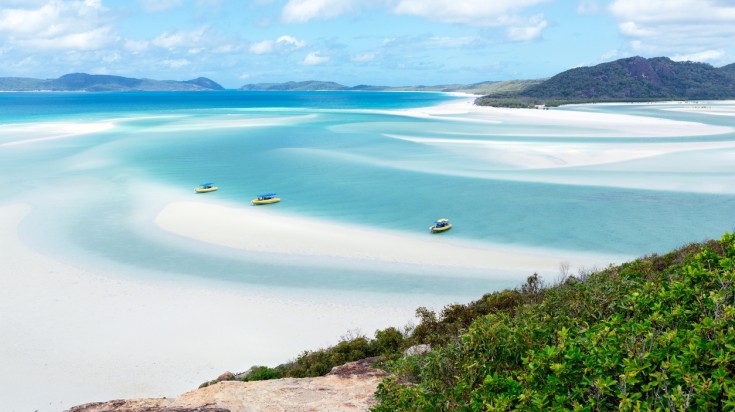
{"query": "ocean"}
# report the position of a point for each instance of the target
(349, 157)
(96, 170)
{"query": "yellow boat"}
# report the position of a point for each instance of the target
(206, 187)
(266, 198)
(441, 225)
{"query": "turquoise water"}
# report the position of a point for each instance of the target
(347, 157)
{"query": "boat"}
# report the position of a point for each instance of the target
(206, 187)
(266, 198)
(440, 225)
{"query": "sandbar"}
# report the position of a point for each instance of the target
(259, 229)
(23, 133)
(603, 124)
(71, 336)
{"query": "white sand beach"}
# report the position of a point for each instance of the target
(593, 160)
(603, 124)
(542, 155)
(70, 336)
(24, 133)
(257, 229)
(88, 336)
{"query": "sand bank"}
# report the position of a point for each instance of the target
(23, 133)
(721, 108)
(550, 155)
(260, 229)
(602, 124)
(229, 121)
(70, 336)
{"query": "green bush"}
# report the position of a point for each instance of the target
(654, 334)
(261, 373)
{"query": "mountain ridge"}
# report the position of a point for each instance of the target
(104, 83)
(472, 88)
(629, 79)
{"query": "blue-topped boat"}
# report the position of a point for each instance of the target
(206, 187)
(266, 198)
(441, 225)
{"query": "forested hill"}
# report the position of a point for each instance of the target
(488, 87)
(630, 79)
(729, 69)
(104, 83)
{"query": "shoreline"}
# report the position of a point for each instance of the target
(604, 124)
(100, 335)
(125, 335)
(255, 229)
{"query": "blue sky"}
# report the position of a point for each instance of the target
(377, 42)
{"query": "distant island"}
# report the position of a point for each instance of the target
(84, 82)
(482, 88)
(624, 80)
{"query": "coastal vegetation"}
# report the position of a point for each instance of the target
(657, 333)
(625, 80)
(652, 334)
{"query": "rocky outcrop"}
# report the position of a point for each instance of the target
(349, 387)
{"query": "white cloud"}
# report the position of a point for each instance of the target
(175, 63)
(630, 28)
(530, 31)
(479, 13)
(364, 57)
(261, 47)
(56, 25)
(282, 44)
(14, 3)
(291, 41)
(180, 38)
(467, 12)
(136, 46)
(158, 6)
(243, 76)
(453, 42)
(670, 10)
(299, 11)
(704, 56)
(111, 57)
(588, 7)
(95, 39)
(169, 40)
(637, 45)
(314, 58)
(697, 29)
(610, 55)
(225, 49)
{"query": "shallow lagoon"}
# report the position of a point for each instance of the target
(345, 157)
(97, 170)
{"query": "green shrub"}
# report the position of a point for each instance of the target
(654, 334)
(261, 373)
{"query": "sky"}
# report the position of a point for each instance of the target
(352, 42)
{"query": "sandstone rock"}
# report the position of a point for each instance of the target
(227, 376)
(349, 387)
(418, 350)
